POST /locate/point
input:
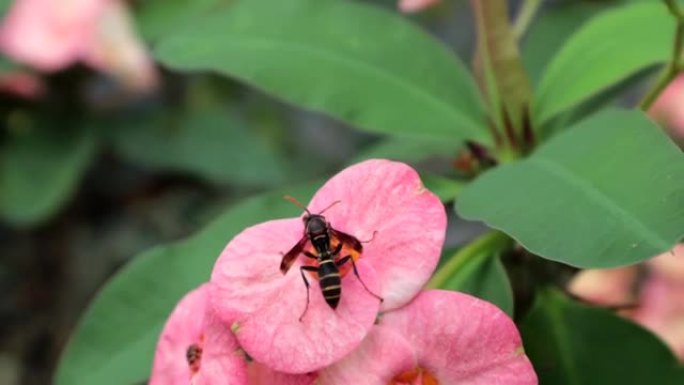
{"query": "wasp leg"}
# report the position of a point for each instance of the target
(310, 255)
(306, 282)
(356, 273)
(337, 250)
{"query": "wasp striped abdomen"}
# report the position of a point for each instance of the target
(330, 282)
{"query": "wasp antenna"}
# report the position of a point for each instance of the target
(372, 237)
(329, 206)
(296, 203)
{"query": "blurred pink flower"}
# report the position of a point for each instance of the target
(409, 6)
(376, 197)
(477, 344)
(613, 287)
(659, 299)
(22, 84)
(195, 348)
(669, 107)
(52, 34)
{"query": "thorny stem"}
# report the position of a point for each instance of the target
(675, 65)
(486, 246)
(503, 79)
(525, 16)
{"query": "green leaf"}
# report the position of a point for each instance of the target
(608, 192)
(609, 48)
(409, 149)
(158, 18)
(477, 270)
(115, 341)
(205, 142)
(446, 189)
(355, 62)
(573, 344)
(39, 171)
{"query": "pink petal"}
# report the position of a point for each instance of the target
(49, 34)
(22, 84)
(409, 6)
(381, 356)
(388, 198)
(263, 375)
(249, 291)
(669, 265)
(192, 323)
(608, 287)
(460, 339)
(116, 50)
(661, 309)
(669, 107)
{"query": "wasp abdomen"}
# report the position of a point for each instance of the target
(330, 282)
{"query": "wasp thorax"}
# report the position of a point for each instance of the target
(416, 376)
(194, 357)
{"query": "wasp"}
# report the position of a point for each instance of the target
(322, 236)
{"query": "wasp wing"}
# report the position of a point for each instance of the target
(289, 258)
(347, 239)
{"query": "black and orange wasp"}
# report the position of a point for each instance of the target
(327, 259)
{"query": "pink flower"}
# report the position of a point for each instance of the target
(195, 348)
(659, 298)
(409, 6)
(669, 107)
(263, 375)
(53, 34)
(476, 344)
(611, 287)
(22, 84)
(381, 202)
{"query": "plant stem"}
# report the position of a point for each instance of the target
(487, 245)
(675, 65)
(525, 16)
(502, 76)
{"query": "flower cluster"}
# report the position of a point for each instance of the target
(653, 298)
(50, 35)
(249, 325)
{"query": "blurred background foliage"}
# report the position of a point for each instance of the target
(92, 174)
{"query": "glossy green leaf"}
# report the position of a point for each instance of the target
(115, 341)
(410, 149)
(39, 171)
(608, 192)
(554, 25)
(609, 48)
(573, 344)
(208, 143)
(356, 62)
(484, 278)
(157, 18)
(446, 189)
(477, 270)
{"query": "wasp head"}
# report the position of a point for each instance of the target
(315, 224)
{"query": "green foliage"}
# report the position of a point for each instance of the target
(606, 50)
(573, 344)
(157, 18)
(477, 270)
(445, 188)
(606, 193)
(352, 61)
(39, 171)
(208, 143)
(409, 149)
(115, 340)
